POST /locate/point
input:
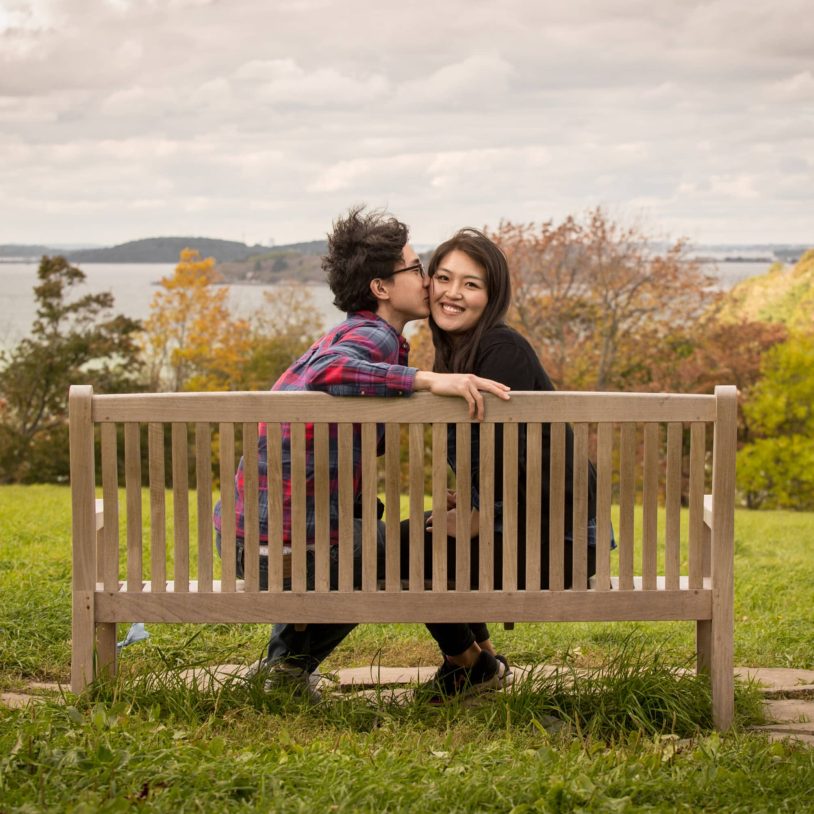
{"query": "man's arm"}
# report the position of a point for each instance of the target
(360, 364)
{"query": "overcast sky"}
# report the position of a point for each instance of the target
(263, 119)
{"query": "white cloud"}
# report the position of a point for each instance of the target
(251, 117)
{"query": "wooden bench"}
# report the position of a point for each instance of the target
(641, 443)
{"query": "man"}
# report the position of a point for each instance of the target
(378, 279)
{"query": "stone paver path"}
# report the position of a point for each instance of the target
(788, 693)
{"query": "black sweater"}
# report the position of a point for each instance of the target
(506, 356)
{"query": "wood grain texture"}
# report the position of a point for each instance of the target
(448, 606)
(132, 481)
(534, 486)
(322, 526)
(416, 443)
(277, 569)
(83, 531)
(556, 509)
(439, 507)
(345, 445)
(226, 433)
(627, 500)
(650, 506)
(158, 507)
(392, 505)
(298, 509)
(369, 519)
(604, 484)
(309, 406)
(180, 504)
(723, 541)
(463, 505)
(107, 566)
(580, 549)
(672, 533)
(486, 529)
(203, 488)
(696, 502)
(510, 536)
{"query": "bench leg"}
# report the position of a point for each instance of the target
(721, 671)
(703, 646)
(106, 649)
(82, 636)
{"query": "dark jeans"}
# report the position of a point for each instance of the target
(454, 638)
(307, 648)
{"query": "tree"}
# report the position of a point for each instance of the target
(190, 329)
(73, 340)
(594, 297)
(283, 329)
(777, 469)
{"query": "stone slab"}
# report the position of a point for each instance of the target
(780, 681)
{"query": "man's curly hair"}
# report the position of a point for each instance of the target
(362, 246)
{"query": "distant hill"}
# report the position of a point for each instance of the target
(18, 250)
(165, 250)
(784, 294)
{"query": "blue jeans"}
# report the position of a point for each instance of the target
(307, 648)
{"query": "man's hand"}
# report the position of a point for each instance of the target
(466, 385)
(451, 520)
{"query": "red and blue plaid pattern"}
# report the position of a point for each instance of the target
(362, 356)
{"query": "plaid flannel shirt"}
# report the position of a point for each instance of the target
(362, 356)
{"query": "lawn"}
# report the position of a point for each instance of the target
(636, 737)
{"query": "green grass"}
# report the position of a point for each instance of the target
(633, 735)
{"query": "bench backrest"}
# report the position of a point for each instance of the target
(648, 448)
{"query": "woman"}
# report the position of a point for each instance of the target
(470, 291)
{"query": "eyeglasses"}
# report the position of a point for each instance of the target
(417, 266)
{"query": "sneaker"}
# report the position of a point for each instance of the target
(506, 674)
(452, 681)
(280, 675)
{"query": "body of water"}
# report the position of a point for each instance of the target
(133, 287)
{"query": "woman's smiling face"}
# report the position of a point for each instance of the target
(458, 293)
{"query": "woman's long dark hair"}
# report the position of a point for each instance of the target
(457, 354)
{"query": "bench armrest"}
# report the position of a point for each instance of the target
(100, 514)
(708, 510)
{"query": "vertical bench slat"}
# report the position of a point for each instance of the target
(721, 626)
(510, 542)
(226, 433)
(627, 498)
(416, 507)
(556, 509)
(108, 557)
(298, 515)
(158, 510)
(83, 531)
(580, 520)
(369, 520)
(534, 492)
(604, 476)
(439, 507)
(696, 501)
(203, 486)
(180, 505)
(274, 495)
(251, 526)
(486, 492)
(672, 543)
(392, 505)
(132, 481)
(463, 506)
(345, 449)
(322, 525)
(650, 497)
